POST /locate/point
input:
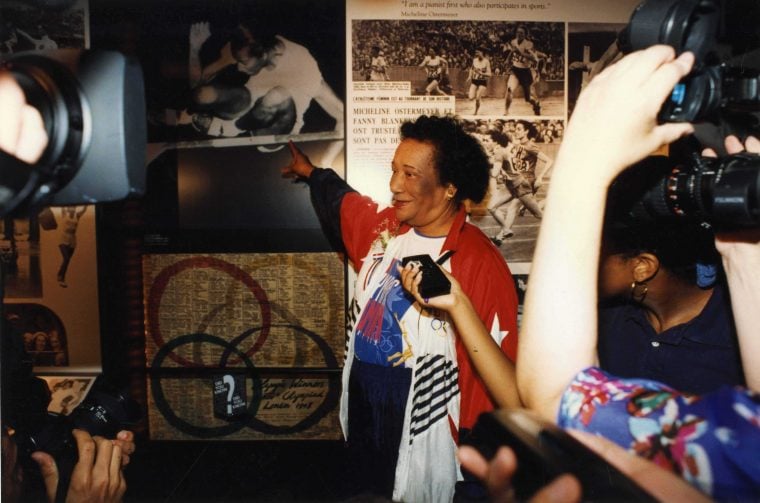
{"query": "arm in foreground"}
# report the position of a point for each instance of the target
(617, 110)
(490, 362)
(740, 251)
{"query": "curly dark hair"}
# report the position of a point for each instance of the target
(679, 243)
(499, 137)
(459, 158)
(529, 127)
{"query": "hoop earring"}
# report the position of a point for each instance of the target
(639, 291)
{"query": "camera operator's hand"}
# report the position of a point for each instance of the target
(740, 250)
(497, 474)
(22, 130)
(199, 33)
(126, 440)
(615, 116)
(97, 475)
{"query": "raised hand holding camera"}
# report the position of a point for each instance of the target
(722, 191)
(714, 31)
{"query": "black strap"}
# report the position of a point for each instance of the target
(443, 258)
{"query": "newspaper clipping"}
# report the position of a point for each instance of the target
(500, 66)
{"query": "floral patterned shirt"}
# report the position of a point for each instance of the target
(711, 440)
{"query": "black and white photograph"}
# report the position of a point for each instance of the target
(591, 47)
(522, 153)
(67, 392)
(242, 69)
(490, 67)
(20, 255)
(44, 335)
(42, 25)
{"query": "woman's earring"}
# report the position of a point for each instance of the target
(639, 291)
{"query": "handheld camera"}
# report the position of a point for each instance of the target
(722, 89)
(25, 398)
(723, 86)
(544, 451)
(722, 191)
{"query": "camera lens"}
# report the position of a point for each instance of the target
(93, 106)
(736, 192)
(53, 90)
(722, 191)
(686, 25)
(694, 99)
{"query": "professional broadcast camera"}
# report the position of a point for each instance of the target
(93, 107)
(723, 191)
(716, 31)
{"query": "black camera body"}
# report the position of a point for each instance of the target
(102, 413)
(25, 398)
(93, 106)
(725, 191)
(713, 94)
(716, 31)
(434, 282)
(545, 451)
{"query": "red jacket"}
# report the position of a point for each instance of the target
(476, 263)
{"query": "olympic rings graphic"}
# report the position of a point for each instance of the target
(163, 405)
(329, 402)
(162, 281)
(167, 349)
(331, 398)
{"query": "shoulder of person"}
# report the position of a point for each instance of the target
(532, 146)
(475, 248)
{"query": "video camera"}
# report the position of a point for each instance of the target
(25, 398)
(717, 32)
(723, 191)
(545, 451)
(93, 107)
